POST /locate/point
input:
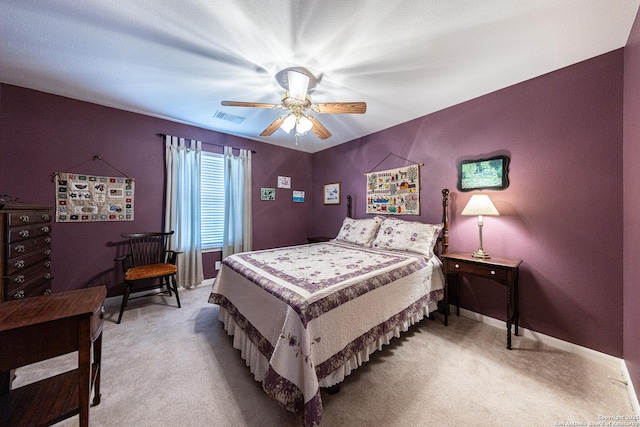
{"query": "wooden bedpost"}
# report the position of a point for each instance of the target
(445, 220)
(349, 206)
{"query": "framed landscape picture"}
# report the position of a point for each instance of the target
(332, 194)
(484, 174)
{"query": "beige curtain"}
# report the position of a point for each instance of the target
(182, 207)
(238, 231)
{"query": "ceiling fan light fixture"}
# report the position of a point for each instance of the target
(289, 123)
(303, 125)
(296, 101)
(298, 84)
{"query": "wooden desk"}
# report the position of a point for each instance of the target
(39, 328)
(502, 270)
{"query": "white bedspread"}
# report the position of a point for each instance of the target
(305, 316)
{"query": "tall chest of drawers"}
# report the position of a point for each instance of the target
(25, 253)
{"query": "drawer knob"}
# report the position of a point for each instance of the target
(19, 279)
(47, 252)
(24, 233)
(493, 272)
(45, 217)
(457, 265)
(24, 218)
(47, 240)
(20, 248)
(19, 294)
(19, 264)
(47, 264)
(48, 276)
(45, 229)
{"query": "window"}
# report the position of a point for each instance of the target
(212, 200)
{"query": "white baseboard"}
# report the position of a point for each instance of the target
(632, 391)
(596, 356)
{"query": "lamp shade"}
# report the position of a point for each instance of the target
(480, 204)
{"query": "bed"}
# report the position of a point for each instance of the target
(303, 317)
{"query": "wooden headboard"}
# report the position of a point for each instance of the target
(443, 240)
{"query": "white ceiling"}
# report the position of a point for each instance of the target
(405, 58)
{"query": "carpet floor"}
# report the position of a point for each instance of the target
(164, 366)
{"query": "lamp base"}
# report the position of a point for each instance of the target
(480, 253)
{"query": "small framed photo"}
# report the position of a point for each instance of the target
(298, 196)
(284, 182)
(484, 174)
(267, 194)
(332, 194)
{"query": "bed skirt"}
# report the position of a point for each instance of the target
(259, 365)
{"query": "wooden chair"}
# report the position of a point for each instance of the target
(149, 259)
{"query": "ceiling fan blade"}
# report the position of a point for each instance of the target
(249, 104)
(319, 129)
(273, 126)
(341, 107)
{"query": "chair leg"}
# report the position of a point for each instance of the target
(125, 298)
(166, 282)
(175, 289)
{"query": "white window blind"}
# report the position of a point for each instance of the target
(212, 199)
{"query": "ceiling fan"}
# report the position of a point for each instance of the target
(298, 103)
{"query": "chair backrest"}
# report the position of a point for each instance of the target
(148, 248)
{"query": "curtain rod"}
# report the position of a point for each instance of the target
(207, 143)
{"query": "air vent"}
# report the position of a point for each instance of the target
(229, 117)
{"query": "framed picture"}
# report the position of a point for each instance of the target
(298, 196)
(284, 182)
(332, 194)
(267, 194)
(490, 174)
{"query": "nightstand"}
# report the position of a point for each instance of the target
(502, 270)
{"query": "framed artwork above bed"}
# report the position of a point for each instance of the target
(394, 191)
(484, 174)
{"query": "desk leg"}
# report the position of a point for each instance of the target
(84, 371)
(509, 316)
(97, 363)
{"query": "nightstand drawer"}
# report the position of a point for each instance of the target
(487, 271)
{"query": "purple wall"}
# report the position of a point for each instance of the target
(42, 133)
(631, 252)
(561, 214)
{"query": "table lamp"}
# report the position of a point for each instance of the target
(480, 204)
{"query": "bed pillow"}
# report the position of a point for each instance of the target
(411, 236)
(359, 231)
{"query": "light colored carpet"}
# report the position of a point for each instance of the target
(164, 366)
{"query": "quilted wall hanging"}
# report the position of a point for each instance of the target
(394, 191)
(89, 198)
